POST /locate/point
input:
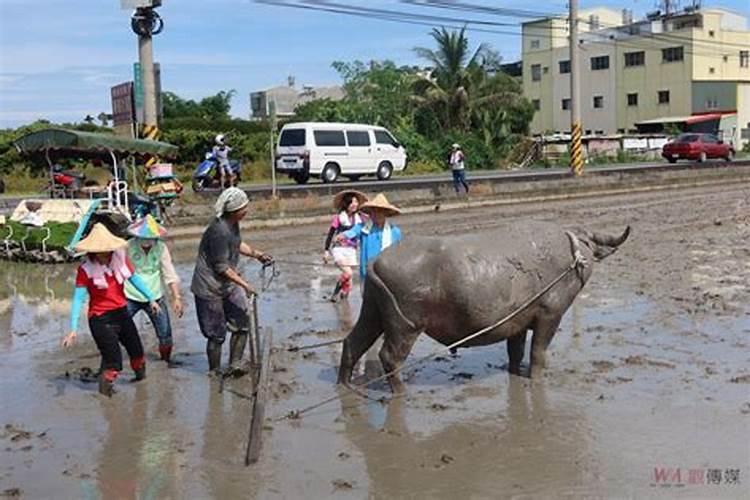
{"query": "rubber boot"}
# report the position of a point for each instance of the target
(139, 367)
(165, 353)
(335, 294)
(213, 351)
(237, 344)
(107, 382)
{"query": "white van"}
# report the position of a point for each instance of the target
(330, 150)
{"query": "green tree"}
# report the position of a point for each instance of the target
(212, 107)
(454, 79)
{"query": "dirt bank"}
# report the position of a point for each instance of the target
(649, 372)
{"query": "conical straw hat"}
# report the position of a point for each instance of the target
(380, 202)
(100, 240)
(339, 198)
(147, 228)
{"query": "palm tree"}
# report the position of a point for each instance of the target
(455, 74)
(463, 90)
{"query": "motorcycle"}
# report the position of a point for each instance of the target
(66, 182)
(208, 176)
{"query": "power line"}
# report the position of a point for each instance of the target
(448, 22)
(476, 8)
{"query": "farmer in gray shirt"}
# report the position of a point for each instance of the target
(220, 291)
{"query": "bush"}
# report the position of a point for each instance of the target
(20, 180)
(425, 167)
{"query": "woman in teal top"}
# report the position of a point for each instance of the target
(153, 262)
(376, 234)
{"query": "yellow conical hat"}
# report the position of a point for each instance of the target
(99, 240)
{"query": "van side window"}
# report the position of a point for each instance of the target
(383, 137)
(292, 137)
(329, 138)
(358, 138)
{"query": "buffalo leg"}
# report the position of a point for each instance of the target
(364, 334)
(544, 330)
(516, 346)
(396, 347)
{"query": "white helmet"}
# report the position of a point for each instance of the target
(220, 139)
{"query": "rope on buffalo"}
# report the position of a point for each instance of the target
(578, 262)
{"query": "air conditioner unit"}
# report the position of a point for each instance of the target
(137, 4)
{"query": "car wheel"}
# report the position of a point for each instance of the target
(703, 157)
(385, 169)
(330, 173)
(730, 155)
(301, 178)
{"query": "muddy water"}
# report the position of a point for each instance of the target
(650, 370)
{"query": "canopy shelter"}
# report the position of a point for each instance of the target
(74, 143)
(90, 144)
(706, 123)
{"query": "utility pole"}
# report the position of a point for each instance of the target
(274, 123)
(146, 23)
(576, 147)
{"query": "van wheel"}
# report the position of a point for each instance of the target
(330, 173)
(385, 169)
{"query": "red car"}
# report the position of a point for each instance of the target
(694, 146)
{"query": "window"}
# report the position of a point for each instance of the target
(744, 58)
(545, 70)
(565, 104)
(535, 44)
(712, 70)
(672, 54)
(329, 137)
(594, 22)
(711, 33)
(663, 97)
(383, 137)
(725, 58)
(598, 132)
(537, 104)
(564, 67)
(536, 72)
(633, 99)
(598, 101)
(292, 137)
(601, 62)
(712, 103)
(635, 59)
(359, 138)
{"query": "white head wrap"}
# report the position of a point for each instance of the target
(230, 200)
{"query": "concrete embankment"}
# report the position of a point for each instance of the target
(309, 207)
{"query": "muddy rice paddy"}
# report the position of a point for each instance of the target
(649, 372)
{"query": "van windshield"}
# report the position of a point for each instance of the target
(383, 137)
(292, 137)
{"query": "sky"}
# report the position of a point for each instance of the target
(59, 58)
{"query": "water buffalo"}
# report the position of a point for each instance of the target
(453, 286)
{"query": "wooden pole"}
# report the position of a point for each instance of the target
(255, 441)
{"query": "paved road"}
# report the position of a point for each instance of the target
(410, 182)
